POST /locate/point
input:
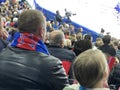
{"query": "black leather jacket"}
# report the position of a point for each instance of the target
(30, 70)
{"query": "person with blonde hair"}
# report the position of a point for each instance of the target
(90, 70)
(3, 32)
(3, 36)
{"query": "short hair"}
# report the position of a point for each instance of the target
(67, 42)
(108, 50)
(89, 67)
(81, 46)
(87, 36)
(55, 37)
(99, 42)
(102, 30)
(119, 46)
(30, 20)
(79, 36)
(106, 39)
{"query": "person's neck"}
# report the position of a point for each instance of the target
(99, 84)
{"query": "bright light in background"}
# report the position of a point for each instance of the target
(93, 14)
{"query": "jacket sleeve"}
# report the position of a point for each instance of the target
(58, 77)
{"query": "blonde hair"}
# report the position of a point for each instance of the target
(67, 42)
(3, 32)
(89, 67)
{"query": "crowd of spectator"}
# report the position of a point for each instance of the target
(23, 30)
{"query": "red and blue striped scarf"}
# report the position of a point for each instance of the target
(29, 41)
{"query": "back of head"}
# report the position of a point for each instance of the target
(88, 37)
(108, 50)
(89, 68)
(30, 20)
(81, 46)
(56, 37)
(67, 43)
(57, 12)
(102, 30)
(106, 39)
(79, 36)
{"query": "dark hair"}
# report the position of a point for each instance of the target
(81, 46)
(119, 46)
(102, 30)
(88, 37)
(108, 50)
(106, 39)
(30, 20)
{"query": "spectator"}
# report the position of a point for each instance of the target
(114, 77)
(101, 35)
(98, 42)
(118, 52)
(26, 64)
(48, 27)
(58, 17)
(88, 37)
(106, 40)
(68, 44)
(81, 46)
(79, 35)
(55, 25)
(56, 48)
(109, 51)
(90, 70)
(3, 32)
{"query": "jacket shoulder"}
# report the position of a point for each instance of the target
(72, 87)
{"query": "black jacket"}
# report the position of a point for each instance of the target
(30, 70)
(63, 54)
(114, 77)
(3, 44)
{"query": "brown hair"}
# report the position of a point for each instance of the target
(89, 67)
(30, 21)
(98, 42)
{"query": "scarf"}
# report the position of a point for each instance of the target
(29, 41)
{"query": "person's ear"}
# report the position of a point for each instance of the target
(106, 74)
(105, 79)
(42, 33)
(62, 43)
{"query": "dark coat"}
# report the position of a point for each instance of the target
(3, 44)
(64, 55)
(30, 70)
(114, 77)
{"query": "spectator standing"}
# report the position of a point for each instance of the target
(56, 48)
(91, 71)
(26, 64)
(58, 17)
